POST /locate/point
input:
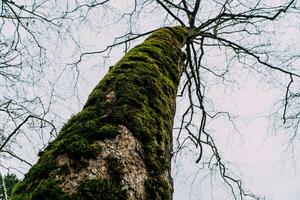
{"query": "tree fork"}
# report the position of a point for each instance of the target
(119, 146)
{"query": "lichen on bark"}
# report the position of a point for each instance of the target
(121, 141)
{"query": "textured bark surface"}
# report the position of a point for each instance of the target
(126, 150)
(119, 146)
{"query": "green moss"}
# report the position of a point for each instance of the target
(21, 197)
(77, 147)
(79, 165)
(47, 189)
(177, 34)
(37, 172)
(108, 131)
(63, 169)
(115, 168)
(146, 81)
(97, 189)
(156, 158)
(158, 188)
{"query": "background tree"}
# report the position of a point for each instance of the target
(232, 31)
(7, 183)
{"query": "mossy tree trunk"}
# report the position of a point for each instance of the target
(119, 146)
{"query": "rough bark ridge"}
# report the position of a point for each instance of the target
(118, 147)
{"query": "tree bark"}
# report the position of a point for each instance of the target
(119, 146)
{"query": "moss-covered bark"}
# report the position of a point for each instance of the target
(118, 147)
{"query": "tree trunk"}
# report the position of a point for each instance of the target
(3, 187)
(119, 146)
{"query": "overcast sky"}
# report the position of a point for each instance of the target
(259, 157)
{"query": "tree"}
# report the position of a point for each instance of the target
(7, 183)
(122, 137)
(234, 27)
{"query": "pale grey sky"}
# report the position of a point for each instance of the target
(258, 157)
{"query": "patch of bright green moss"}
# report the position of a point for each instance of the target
(77, 147)
(107, 131)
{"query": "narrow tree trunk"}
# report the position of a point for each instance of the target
(119, 146)
(3, 187)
